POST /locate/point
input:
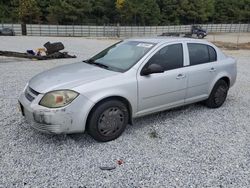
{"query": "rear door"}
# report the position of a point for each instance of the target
(201, 71)
(163, 90)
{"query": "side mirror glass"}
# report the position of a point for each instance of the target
(152, 69)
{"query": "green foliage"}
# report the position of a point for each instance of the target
(143, 12)
(8, 11)
(150, 13)
(196, 11)
(28, 11)
(169, 11)
(131, 12)
(232, 10)
(4, 12)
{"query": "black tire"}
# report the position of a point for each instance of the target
(200, 36)
(108, 120)
(218, 95)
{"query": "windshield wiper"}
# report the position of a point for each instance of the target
(92, 62)
(100, 65)
(89, 61)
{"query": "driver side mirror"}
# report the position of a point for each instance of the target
(152, 69)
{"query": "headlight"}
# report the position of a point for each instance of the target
(57, 99)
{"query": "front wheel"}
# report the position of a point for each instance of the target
(108, 120)
(218, 95)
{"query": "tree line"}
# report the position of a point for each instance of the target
(125, 12)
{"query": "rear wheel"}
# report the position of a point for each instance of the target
(108, 120)
(218, 95)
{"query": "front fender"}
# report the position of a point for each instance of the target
(129, 95)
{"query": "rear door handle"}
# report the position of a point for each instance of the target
(180, 76)
(212, 69)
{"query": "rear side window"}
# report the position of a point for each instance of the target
(170, 57)
(201, 53)
(212, 54)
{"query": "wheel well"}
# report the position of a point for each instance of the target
(227, 80)
(122, 99)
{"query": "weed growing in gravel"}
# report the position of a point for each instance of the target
(153, 134)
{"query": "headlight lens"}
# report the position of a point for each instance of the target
(57, 99)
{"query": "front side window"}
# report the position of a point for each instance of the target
(201, 53)
(170, 57)
(122, 56)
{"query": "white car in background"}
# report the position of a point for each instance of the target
(130, 79)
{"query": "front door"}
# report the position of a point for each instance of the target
(160, 91)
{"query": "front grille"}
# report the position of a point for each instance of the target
(33, 91)
(28, 96)
(31, 94)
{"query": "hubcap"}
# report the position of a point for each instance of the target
(110, 121)
(220, 95)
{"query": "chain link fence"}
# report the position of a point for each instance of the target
(119, 31)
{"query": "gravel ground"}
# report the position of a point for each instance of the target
(229, 37)
(191, 146)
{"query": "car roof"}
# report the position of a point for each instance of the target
(160, 40)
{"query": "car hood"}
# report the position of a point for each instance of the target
(68, 77)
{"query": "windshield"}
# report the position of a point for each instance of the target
(121, 56)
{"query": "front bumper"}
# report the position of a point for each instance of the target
(69, 119)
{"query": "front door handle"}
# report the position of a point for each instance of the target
(212, 69)
(180, 76)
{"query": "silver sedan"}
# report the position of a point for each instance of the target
(131, 78)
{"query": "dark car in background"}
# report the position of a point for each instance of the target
(196, 31)
(7, 32)
(199, 31)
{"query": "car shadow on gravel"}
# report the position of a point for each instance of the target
(142, 122)
(165, 115)
(56, 139)
(147, 121)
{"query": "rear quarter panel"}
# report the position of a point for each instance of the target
(225, 67)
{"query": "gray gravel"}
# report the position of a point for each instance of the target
(192, 146)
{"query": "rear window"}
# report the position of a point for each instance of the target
(201, 53)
